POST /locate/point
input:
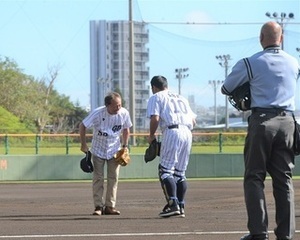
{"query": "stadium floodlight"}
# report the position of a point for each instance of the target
(180, 74)
(223, 62)
(282, 20)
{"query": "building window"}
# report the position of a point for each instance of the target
(116, 65)
(115, 27)
(115, 37)
(116, 46)
(116, 75)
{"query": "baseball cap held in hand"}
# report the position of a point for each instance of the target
(86, 164)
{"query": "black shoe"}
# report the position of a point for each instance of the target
(181, 209)
(255, 237)
(111, 211)
(169, 211)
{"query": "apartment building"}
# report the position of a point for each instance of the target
(110, 65)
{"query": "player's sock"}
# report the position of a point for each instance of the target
(170, 189)
(181, 190)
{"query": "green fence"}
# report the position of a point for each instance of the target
(70, 143)
(66, 167)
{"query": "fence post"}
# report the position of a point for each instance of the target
(6, 144)
(67, 144)
(37, 140)
(220, 142)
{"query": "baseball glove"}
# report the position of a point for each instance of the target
(122, 157)
(240, 98)
(152, 151)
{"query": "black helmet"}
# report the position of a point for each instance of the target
(86, 164)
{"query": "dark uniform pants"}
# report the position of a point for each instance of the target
(268, 148)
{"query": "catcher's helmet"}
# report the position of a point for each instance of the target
(86, 163)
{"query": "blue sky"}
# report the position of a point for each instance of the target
(45, 33)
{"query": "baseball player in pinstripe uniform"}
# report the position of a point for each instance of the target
(109, 122)
(173, 114)
(272, 74)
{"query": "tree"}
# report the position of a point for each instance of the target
(35, 102)
(45, 104)
(64, 115)
(9, 123)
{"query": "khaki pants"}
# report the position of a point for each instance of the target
(98, 182)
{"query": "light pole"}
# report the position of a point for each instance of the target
(131, 75)
(298, 50)
(104, 85)
(284, 18)
(215, 84)
(223, 62)
(180, 74)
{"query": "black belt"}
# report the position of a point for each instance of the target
(277, 111)
(173, 126)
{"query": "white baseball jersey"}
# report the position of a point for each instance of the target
(173, 109)
(107, 129)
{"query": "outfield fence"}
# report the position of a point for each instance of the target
(33, 143)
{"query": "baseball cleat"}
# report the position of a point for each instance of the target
(255, 237)
(169, 211)
(181, 209)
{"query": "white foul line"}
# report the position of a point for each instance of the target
(123, 234)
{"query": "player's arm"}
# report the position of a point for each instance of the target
(194, 122)
(82, 132)
(154, 121)
(125, 137)
(239, 74)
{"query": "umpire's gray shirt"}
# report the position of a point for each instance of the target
(272, 74)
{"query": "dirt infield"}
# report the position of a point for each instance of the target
(214, 210)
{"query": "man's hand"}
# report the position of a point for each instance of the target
(151, 138)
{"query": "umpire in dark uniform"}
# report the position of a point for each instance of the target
(272, 74)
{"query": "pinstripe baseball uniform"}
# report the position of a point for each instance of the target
(176, 121)
(107, 130)
(173, 110)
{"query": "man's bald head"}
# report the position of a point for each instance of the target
(271, 34)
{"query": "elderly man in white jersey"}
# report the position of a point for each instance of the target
(272, 75)
(109, 123)
(173, 114)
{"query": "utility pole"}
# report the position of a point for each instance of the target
(223, 62)
(215, 85)
(180, 74)
(284, 18)
(104, 85)
(297, 91)
(131, 73)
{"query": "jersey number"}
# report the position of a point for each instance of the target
(179, 106)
